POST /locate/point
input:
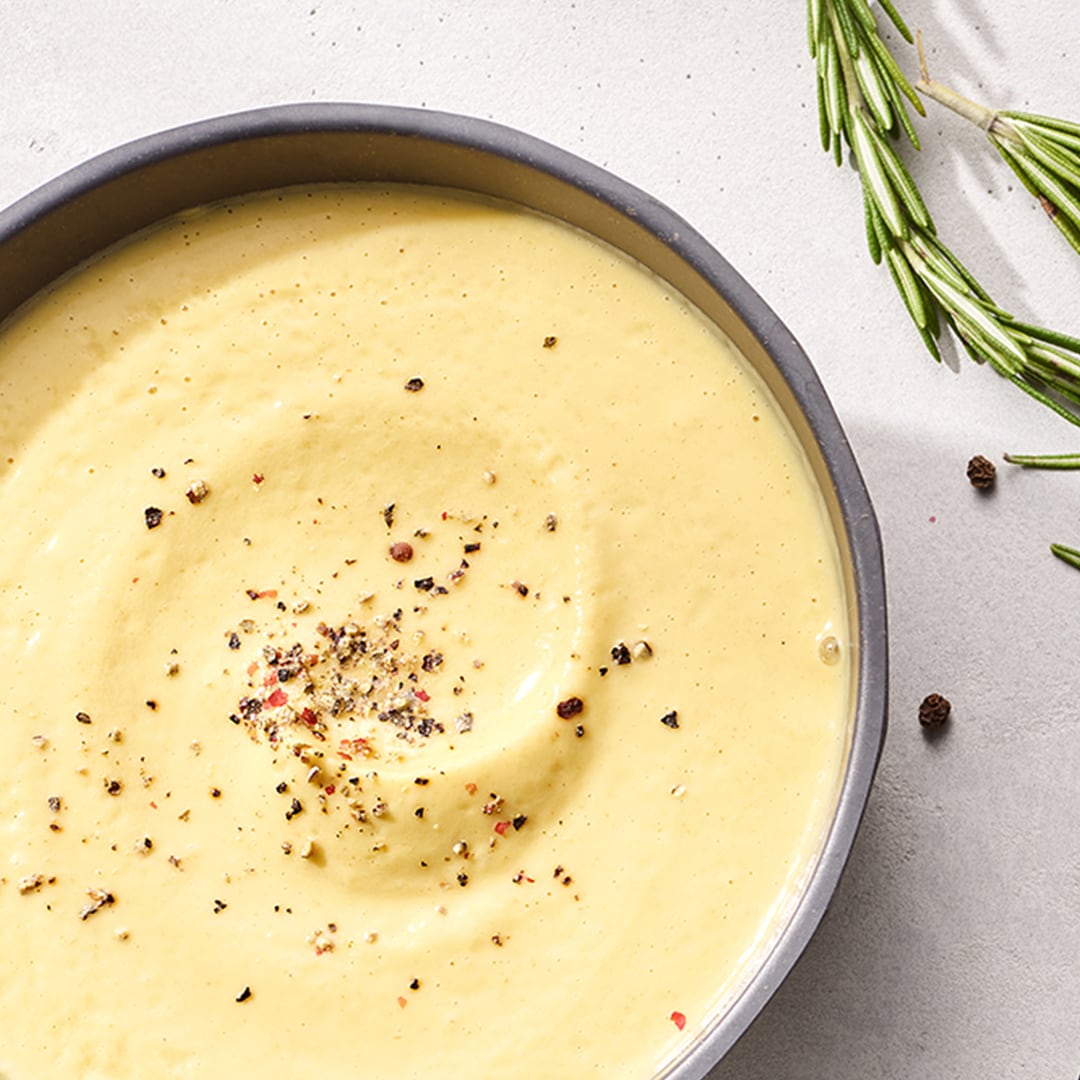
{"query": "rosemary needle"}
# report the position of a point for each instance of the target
(1066, 554)
(863, 100)
(1044, 461)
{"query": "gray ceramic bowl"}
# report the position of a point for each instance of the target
(83, 211)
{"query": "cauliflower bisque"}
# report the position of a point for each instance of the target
(425, 653)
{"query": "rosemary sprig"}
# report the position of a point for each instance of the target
(863, 99)
(1043, 152)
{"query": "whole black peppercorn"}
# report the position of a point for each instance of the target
(570, 707)
(934, 711)
(981, 472)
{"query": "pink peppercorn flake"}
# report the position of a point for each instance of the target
(501, 827)
(401, 552)
(678, 1019)
(277, 698)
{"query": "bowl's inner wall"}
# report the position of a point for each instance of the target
(83, 212)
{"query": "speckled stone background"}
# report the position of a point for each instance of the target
(952, 949)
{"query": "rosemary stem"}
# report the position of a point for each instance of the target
(951, 99)
(978, 114)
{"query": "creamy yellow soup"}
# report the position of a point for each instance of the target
(425, 653)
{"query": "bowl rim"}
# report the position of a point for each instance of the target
(862, 534)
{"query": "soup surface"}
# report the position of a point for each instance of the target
(425, 653)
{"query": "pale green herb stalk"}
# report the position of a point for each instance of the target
(863, 99)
